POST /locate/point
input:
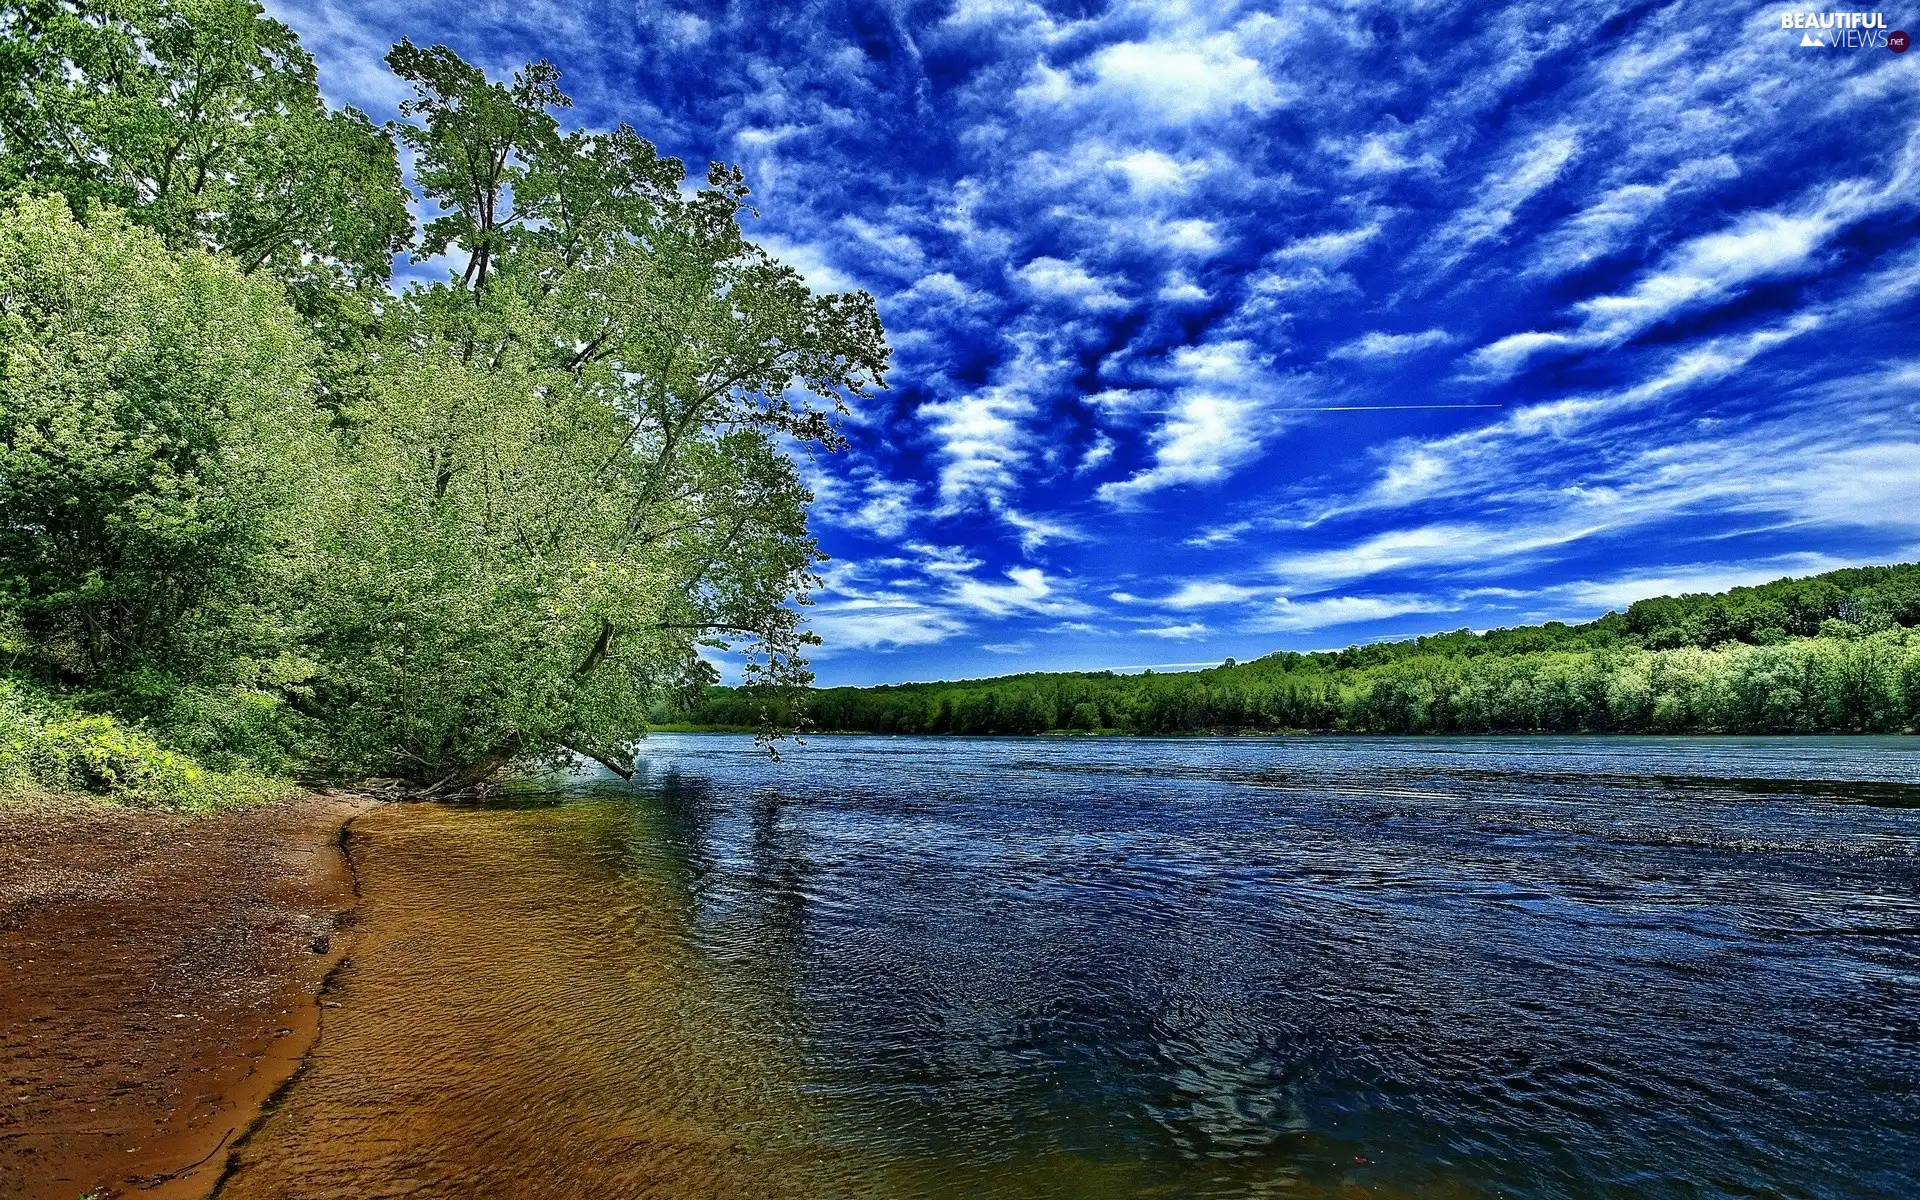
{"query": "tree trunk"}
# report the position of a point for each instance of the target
(472, 777)
(620, 762)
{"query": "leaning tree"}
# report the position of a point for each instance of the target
(568, 468)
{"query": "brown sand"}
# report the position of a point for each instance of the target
(523, 1020)
(160, 982)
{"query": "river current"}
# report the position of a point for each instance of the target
(1541, 967)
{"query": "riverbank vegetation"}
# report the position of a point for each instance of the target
(1833, 653)
(265, 516)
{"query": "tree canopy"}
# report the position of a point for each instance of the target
(157, 432)
(491, 519)
(202, 118)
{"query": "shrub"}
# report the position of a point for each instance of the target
(46, 746)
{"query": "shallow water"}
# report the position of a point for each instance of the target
(1305, 967)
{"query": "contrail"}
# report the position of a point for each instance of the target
(1380, 407)
(1168, 412)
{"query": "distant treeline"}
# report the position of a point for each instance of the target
(1829, 653)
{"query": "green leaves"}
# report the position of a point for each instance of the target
(568, 473)
(472, 144)
(157, 435)
(512, 510)
(203, 119)
(527, 550)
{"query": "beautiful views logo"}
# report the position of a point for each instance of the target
(1845, 30)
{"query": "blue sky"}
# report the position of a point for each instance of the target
(1221, 329)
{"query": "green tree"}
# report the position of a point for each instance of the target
(203, 119)
(568, 472)
(157, 442)
(475, 142)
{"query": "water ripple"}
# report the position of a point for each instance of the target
(1553, 968)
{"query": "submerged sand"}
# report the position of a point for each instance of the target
(329, 999)
(522, 1019)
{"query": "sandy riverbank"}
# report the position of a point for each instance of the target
(159, 980)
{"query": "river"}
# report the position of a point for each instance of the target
(1312, 967)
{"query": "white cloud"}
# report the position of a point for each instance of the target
(1477, 458)
(943, 562)
(1150, 171)
(1847, 459)
(1288, 615)
(1382, 154)
(1207, 593)
(811, 262)
(682, 29)
(1120, 402)
(1220, 415)
(1188, 236)
(943, 289)
(1499, 359)
(1007, 647)
(890, 504)
(1377, 345)
(755, 138)
(981, 439)
(1036, 532)
(1219, 535)
(1179, 289)
(1206, 436)
(873, 622)
(1605, 225)
(1192, 594)
(998, 14)
(1424, 547)
(962, 219)
(1525, 174)
(865, 500)
(1754, 248)
(1187, 81)
(1894, 283)
(1028, 590)
(1172, 81)
(1716, 267)
(1835, 483)
(900, 248)
(1178, 633)
(984, 442)
(1096, 455)
(1279, 283)
(1330, 249)
(1050, 276)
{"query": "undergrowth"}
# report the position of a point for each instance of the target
(47, 746)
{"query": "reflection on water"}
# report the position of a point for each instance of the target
(893, 967)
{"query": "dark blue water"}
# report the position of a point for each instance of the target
(1458, 967)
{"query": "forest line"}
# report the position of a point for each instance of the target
(1831, 653)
